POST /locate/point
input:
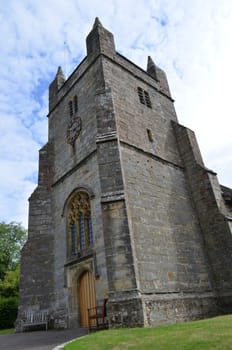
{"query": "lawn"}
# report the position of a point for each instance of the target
(209, 334)
(7, 331)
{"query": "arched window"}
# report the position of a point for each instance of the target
(80, 235)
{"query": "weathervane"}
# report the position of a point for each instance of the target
(65, 58)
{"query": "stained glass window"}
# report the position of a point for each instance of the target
(80, 234)
(82, 231)
(73, 238)
(90, 232)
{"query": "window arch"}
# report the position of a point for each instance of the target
(80, 235)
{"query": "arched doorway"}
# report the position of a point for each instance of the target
(87, 296)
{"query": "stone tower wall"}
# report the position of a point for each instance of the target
(85, 88)
(168, 246)
(165, 227)
(76, 167)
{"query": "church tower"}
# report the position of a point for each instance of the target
(125, 209)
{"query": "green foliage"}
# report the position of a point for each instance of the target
(12, 238)
(8, 311)
(10, 284)
(210, 334)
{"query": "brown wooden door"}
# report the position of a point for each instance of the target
(87, 296)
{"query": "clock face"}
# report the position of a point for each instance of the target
(74, 129)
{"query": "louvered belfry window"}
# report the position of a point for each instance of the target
(73, 105)
(75, 102)
(70, 105)
(144, 97)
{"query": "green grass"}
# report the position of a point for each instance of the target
(209, 334)
(7, 331)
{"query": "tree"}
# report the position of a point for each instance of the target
(9, 298)
(12, 238)
(9, 285)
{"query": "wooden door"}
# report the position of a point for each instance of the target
(87, 296)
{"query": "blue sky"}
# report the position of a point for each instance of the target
(189, 39)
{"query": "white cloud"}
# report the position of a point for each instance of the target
(189, 39)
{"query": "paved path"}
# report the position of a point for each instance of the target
(39, 340)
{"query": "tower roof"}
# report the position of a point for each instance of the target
(97, 22)
(60, 72)
(60, 78)
(100, 40)
(151, 68)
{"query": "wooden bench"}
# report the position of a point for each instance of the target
(97, 317)
(34, 318)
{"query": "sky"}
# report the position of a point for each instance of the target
(189, 39)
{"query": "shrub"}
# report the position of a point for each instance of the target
(8, 311)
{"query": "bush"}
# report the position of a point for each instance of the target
(10, 284)
(8, 311)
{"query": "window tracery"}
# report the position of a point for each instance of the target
(80, 235)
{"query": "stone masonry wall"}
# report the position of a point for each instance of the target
(37, 262)
(167, 244)
(66, 156)
(212, 213)
(135, 119)
(165, 229)
(166, 232)
(172, 308)
(76, 167)
(85, 177)
(118, 246)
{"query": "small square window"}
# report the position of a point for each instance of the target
(149, 135)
